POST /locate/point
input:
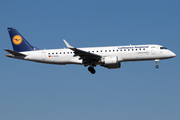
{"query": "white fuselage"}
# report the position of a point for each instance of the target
(109, 57)
(123, 53)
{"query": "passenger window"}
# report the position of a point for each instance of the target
(109, 50)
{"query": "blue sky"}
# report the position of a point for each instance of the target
(136, 91)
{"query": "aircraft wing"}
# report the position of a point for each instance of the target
(83, 54)
(14, 53)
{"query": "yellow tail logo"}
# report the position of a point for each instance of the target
(17, 39)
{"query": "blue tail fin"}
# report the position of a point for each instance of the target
(19, 43)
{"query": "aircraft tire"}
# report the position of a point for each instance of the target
(92, 70)
(157, 66)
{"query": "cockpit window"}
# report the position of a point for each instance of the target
(163, 48)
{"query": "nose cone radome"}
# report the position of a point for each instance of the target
(172, 54)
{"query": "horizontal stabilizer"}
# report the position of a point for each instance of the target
(14, 53)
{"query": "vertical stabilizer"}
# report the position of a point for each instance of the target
(19, 43)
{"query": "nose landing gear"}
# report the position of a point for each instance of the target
(91, 69)
(157, 66)
(156, 61)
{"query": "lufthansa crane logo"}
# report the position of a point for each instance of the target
(17, 39)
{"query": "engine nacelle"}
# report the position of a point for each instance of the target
(112, 66)
(111, 62)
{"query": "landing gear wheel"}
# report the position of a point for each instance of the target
(91, 69)
(157, 66)
(156, 61)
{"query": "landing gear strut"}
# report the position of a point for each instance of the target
(156, 61)
(91, 69)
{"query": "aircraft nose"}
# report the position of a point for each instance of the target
(172, 54)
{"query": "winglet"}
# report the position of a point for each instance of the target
(67, 44)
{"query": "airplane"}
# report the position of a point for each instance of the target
(109, 57)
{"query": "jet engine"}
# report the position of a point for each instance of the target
(110, 62)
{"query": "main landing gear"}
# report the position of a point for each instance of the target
(91, 69)
(156, 61)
